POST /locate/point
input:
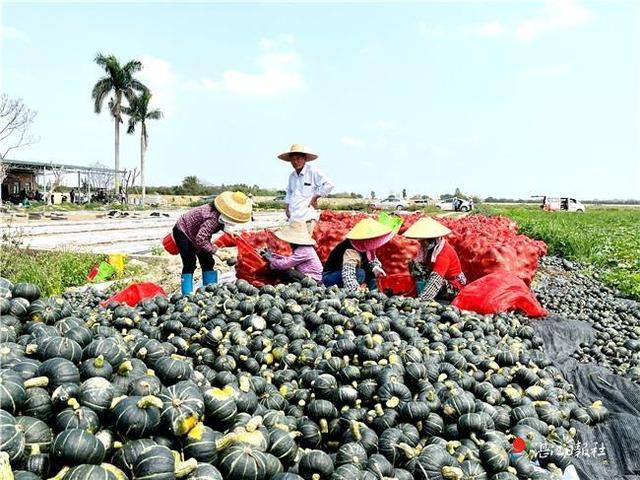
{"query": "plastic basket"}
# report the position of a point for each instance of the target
(392, 221)
(170, 245)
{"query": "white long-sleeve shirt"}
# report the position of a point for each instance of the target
(301, 188)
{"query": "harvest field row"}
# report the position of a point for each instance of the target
(607, 239)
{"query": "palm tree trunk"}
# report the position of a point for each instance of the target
(142, 149)
(117, 154)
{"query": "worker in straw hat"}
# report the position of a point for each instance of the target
(193, 230)
(303, 262)
(444, 276)
(306, 185)
(353, 261)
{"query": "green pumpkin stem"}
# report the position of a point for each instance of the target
(5, 466)
(452, 473)
(185, 468)
(61, 474)
(99, 361)
(73, 403)
(119, 474)
(354, 427)
(225, 441)
(324, 425)
(36, 382)
(125, 367)
(148, 401)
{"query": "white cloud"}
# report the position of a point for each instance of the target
(384, 125)
(353, 142)
(279, 72)
(489, 29)
(549, 71)
(556, 15)
(399, 152)
(381, 144)
(161, 80)
(12, 33)
(430, 32)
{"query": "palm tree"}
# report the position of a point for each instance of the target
(120, 82)
(139, 112)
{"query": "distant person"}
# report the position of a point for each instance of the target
(303, 262)
(306, 185)
(72, 196)
(193, 230)
(253, 205)
(123, 195)
(404, 193)
(444, 272)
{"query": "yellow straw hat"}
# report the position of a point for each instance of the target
(297, 148)
(367, 228)
(426, 228)
(296, 233)
(235, 206)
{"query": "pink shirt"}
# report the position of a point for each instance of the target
(199, 224)
(304, 259)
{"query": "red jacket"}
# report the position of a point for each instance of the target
(447, 265)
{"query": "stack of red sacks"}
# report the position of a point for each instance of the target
(484, 245)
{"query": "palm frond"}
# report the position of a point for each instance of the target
(132, 125)
(100, 92)
(132, 66)
(138, 86)
(155, 114)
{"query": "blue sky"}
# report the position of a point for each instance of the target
(508, 98)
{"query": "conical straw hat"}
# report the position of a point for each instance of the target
(297, 148)
(296, 233)
(235, 206)
(367, 229)
(426, 228)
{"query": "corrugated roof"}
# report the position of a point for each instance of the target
(28, 164)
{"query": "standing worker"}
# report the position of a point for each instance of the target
(72, 195)
(306, 185)
(193, 230)
(445, 277)
(353, 261)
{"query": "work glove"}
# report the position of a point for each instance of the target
(378, 271)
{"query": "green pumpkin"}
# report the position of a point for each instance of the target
(77, 446)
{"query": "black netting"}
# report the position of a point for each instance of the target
(619, 435)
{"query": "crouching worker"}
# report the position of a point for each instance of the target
(193, 230)
(444, 274)
(303, 262)
(353, 261)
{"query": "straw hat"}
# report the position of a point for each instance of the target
(233, 207)
(297, 148)
(426, 228)
(296, 233)
(367, 228)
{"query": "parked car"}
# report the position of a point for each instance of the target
(455, 205)
(553, 204)
(390, 203)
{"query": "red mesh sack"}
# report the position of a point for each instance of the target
(499, 292)
(135, 293)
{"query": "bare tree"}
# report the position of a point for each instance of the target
(101, 177)
(129, 178)
(58, 174)
(15, 124)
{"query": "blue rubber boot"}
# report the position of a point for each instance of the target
(186, 283)
(209, 277)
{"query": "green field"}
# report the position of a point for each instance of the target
(606, 238)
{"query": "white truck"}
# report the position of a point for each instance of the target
(554, 204)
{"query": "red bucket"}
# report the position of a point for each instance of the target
(398, 284)
(169, 244)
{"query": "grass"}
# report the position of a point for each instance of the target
(605, 238)
(53, 271)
